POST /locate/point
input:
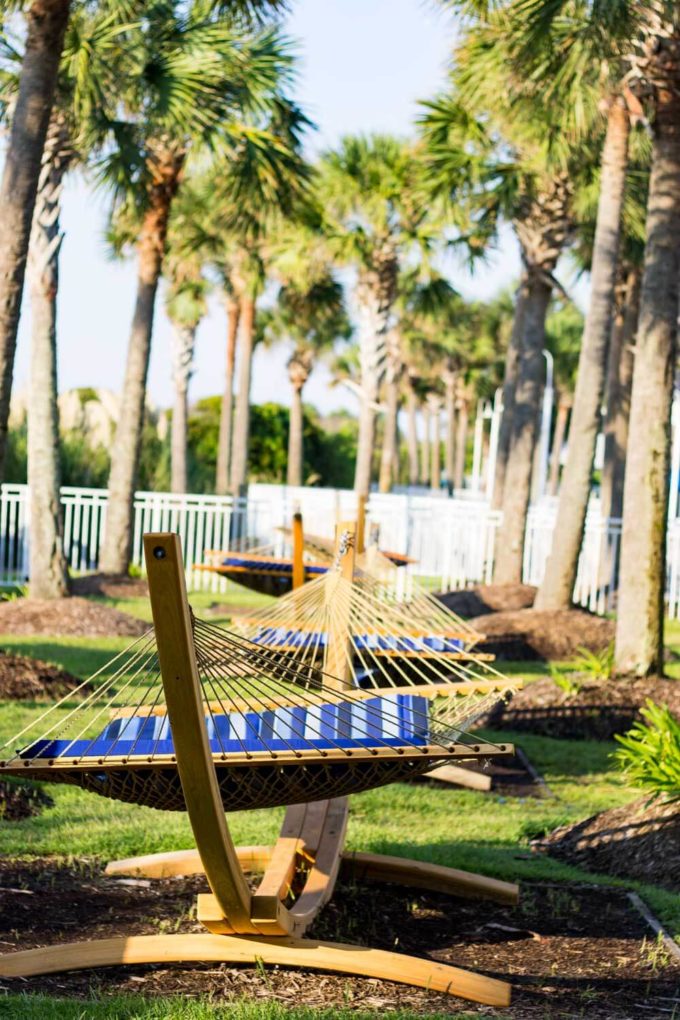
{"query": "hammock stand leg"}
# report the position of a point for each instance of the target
(361, 867)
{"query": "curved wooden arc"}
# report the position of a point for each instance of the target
(184, 701)
(287, 952)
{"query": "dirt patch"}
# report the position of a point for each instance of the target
(639, 840)
(569, 950)
(24, 679)
(489, 598)
(21, 800)
(528, 634)
(110, 586)
(594, 712)
(230, 609)
(75, 616)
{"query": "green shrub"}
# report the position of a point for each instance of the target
(650, 753)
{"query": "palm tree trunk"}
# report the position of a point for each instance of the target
(295, 439)
(556, 589)
(388, 453)
(375, 293)
(619, 381)
(412, 433)
(517, 481)
(461, 445)
(425, 445)
(450, 380)
(639, 627)
(227, 405)
(46, 25)
(183, 355)
(117, 546)
(239, 449)
(435, 446)
(512, 359)
(47, 569)
(559, 435)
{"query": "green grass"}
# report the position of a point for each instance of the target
(200, 601)
(459, 828)
(41, 1007)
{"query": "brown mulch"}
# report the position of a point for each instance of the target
(111, 586)
(596, 712)
(525, 634)
(24, 679)
(489, 598)
(569, 950)
(75, 616)
(21, 800)
(639, 840)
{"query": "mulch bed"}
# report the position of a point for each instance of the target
(24, 679)
(596, 712)
(489, 598)
(21, 800)
(528, 634)
(639, 840)
(111, 586)
(75, 616)
(569, 950)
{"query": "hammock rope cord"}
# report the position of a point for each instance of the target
(260, 706)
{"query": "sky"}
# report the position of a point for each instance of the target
(364, 66)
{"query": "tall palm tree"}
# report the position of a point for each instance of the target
(84, 73)
(371, 195)
(645, 35)
(186, 305)
(311, 317)
(197, 83)
(46, 22)
(563, 332)
(493, 163)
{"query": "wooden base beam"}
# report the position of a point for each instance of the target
(361, 866)
(287, 952)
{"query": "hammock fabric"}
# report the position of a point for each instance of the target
(278, 731)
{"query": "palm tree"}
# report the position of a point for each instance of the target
(186, 305)
(493, 164)
(84, 71)
(375, 214)
(194, 76)
(311, 316)
(645, 36)
(619, 384)
(46, 22)
(563, 332)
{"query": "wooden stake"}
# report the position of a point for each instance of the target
(298, 551)
(338, 653)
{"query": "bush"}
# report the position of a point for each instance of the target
(650, 753)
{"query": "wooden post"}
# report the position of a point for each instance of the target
(362, 500)
(298, 550)
(339, 647)
(186, 712)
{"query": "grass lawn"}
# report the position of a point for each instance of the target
(460, 828)
(40, 1007)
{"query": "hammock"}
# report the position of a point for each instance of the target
(193, 717)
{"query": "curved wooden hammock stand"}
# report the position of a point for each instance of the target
(300, 870)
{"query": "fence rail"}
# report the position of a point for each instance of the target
(451, 540)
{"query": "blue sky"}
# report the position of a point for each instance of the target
(364, 66)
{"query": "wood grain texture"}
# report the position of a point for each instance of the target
(184, 700)
(291, 952)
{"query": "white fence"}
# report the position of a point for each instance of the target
(451, 540)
